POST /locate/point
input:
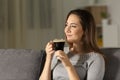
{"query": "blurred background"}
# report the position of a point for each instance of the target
(30, 24)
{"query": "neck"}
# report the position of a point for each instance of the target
(76, 48)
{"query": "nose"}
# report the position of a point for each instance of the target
(67, 29)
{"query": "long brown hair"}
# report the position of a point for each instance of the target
(89, 27)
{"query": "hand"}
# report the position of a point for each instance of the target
(63, 58)
(49, 48)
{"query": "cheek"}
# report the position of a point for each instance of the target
(79, 34)
(65, 30)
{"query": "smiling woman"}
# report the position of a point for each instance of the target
(84, 60)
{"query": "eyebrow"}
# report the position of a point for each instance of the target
(72, 23)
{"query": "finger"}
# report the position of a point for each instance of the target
(49, 45)
(59, 56)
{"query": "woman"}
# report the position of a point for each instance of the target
(84, 60)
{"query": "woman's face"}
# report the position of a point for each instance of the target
(73, 29)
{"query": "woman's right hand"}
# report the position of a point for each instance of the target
(46, 73)
(49, 49)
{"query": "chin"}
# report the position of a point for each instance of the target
(70, 40)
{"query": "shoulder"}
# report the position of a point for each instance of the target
(95, 56)
(95, 59)
(96, 66)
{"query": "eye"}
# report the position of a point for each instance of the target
(72, 25)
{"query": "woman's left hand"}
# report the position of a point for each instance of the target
(67, 64)
(63, 58)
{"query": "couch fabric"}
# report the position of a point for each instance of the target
(27, 64)
(20, 64)
(112, 63)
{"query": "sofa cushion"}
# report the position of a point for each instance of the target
(112, 63)
(19, 64)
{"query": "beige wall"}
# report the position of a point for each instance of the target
(114, 10)
(18, 30)
(25, 35)
(20, 25)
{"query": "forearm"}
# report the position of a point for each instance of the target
(46, 74)
(67, 64)
(72, 73)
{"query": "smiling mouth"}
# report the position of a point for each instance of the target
(69, 35)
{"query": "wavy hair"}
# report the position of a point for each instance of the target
(89, 27)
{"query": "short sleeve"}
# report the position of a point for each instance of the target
(96, 68)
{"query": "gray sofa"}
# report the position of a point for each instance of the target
(27, 64)
(112, 63)
(20, 64)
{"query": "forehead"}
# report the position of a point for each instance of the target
(73, 19)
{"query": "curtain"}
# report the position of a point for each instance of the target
(29, 23)
(45, 13)
(18, 21)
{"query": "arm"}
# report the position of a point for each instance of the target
(72, 73)
(96, 69)
(67, 64)
(46, 73)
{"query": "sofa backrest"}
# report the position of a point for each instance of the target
(20, 64)
(112, 63)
